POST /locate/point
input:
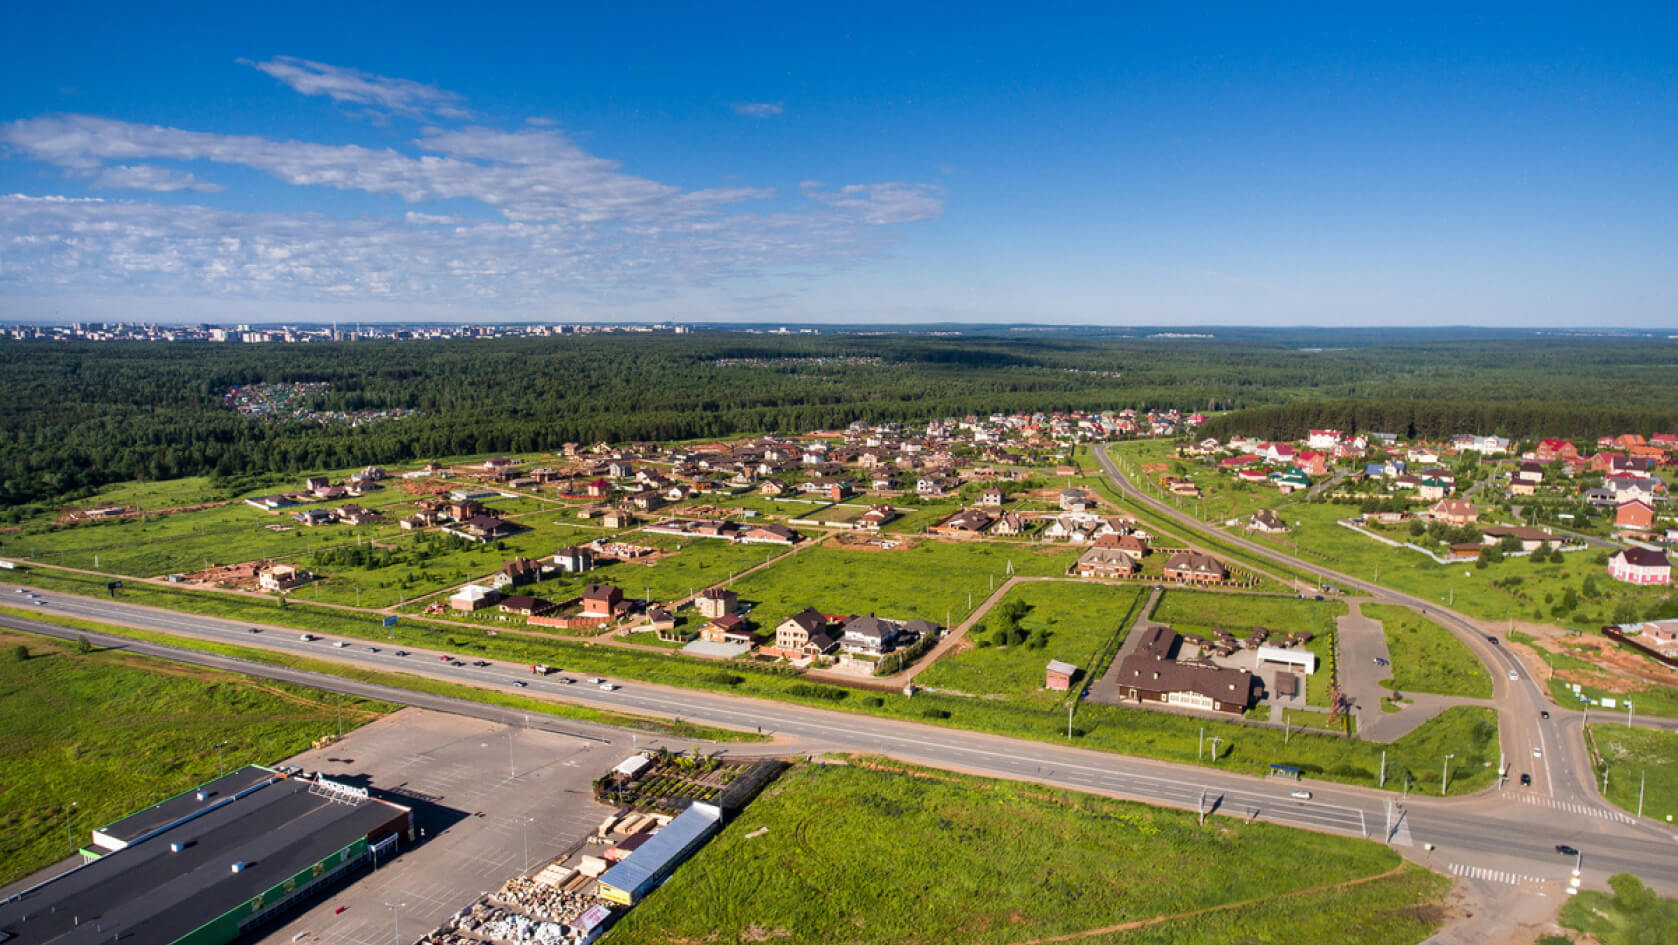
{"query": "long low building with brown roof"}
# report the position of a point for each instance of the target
(1152, 674)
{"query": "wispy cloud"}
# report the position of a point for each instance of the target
(398, 96)
(881, 203)
(150, 177)
(759, 109)
(551, 218)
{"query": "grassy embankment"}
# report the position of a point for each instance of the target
(113, 732)
(1636, 759)
(874, 851)
(407, 681)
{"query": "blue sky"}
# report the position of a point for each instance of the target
(1037, 163)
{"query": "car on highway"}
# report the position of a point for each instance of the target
(1537, 752)
(1513, 674)
(255, 630)
(457, 662)
(445, 658)
(341, 644)
(307, 638)
(372, 649)
(1493, 641)
(609, 687)
(480, 662)
(400, 653)
(1544, 713)
(520, 683)
(595, 680)
(1380, 661)
(1566, 850)
(1302, 795)
(1526, 779)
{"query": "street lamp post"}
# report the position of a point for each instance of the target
(69, 837)
(396, 919)
(1445, 774)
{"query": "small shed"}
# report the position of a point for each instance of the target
(1287, 685)
(1059, 675)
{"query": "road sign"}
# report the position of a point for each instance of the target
(390, 622)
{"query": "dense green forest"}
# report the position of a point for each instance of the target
(80, 415)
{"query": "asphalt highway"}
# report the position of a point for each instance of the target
(1491, 831)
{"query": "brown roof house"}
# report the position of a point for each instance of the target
(603, 600)
(717, 601)
(1196, 568)
(1151, 674)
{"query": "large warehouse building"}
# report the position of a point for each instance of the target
(210, 865)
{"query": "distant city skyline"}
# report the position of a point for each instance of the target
(867, 165)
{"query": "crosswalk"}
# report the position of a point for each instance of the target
(1492, 876)
(1573, 807)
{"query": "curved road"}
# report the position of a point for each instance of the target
(1560, 772)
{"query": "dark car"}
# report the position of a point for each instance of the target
(400, 653)
(1526, 780)
(480, 662)
(1544, 713)
(1566, 850)
(1492, 640)
(256, 629)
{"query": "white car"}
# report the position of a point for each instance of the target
(1537, 752)
(1302, 795)
(1514, 675)
(609, 687)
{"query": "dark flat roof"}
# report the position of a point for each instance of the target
(153, 897)
(181, 805)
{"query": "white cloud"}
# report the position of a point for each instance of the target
(399, 96)
(149, 177)
(881, 203)
(759, 109)
(556, 219)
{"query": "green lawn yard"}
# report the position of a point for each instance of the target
(1637, 758)
(933, 580)
(1426, 657)
(1084, 623)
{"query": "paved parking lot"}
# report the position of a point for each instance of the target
(482, 792)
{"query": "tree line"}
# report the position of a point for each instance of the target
(78, 416)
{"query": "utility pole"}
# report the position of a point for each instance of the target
(1604, 780)
(69, 836)
(1640, 779)
(1214, 749)
(219, 762)
(1384, 777)
(1069, 707)
(1286, 729)
(1628, 713)
(1445, 774)
(1200, 747)
(340, 715)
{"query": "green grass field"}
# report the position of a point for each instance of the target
(1426, 657)
(1081, 620)
(113, 733)
(932, 581)
(875, 851)
(1638, 757)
